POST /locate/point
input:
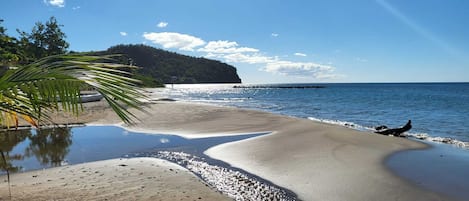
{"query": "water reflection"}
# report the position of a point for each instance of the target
(8, 140)
(25, 150)
(48, 146)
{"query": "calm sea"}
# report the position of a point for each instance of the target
(439, 111)
(439, 114)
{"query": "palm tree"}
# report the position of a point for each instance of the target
(31, 92)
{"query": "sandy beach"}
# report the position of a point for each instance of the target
(116, 179)
(316, 161)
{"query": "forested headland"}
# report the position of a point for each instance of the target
(170, 67)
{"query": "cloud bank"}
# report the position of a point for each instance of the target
(175, 40)
(232, 52)
(225, 47)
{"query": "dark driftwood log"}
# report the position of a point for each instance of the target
(395, 131)
(380, 128)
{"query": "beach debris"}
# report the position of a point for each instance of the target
(163, 99)
(232, 183)
(419, 136)
(398, 132)
(382, 127)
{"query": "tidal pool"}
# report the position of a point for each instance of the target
(25, 150)
(441, 168)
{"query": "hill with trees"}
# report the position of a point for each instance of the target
(170, 67)
(155, 66)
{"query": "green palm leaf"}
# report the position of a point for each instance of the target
(54, 82)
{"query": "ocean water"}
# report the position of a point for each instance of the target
(439, 111)
(439, 114)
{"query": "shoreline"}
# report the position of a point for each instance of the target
(440, 168)
(335, 158)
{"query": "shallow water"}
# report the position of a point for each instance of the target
(36, 149)
(25, 150)
(442, 168)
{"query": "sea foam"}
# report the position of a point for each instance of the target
(419, 136)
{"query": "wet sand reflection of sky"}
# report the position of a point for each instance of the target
(26, 150)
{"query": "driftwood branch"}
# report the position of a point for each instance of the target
(384, 130)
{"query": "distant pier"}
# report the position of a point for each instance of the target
(279, 87)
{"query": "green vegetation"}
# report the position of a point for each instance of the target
(33, 91)
(8, 48)
(44, 40)
(156, 66)
(169, 67)
(147, 81)
(45, 79)
(36, 71)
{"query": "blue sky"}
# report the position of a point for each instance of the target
(273, 41)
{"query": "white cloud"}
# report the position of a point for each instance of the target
(274, 65)
(283, 67)
(300, 54)
(175, 40)
(58, 3)
(123, 33)
(230, 51)
(162, 24)
(225, 47)
(248, 58)
(298, 69)
(358, 59)
(76, 7)
(274, 34)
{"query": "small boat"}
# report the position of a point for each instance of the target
(91, 97)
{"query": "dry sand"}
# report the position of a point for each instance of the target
(116, 179)
(314, 160)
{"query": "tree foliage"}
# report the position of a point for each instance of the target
(52, 83)
(47, 80)
(44, 40)
(164, 66)
(8, 48)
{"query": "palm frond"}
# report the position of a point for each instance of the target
(54, 82)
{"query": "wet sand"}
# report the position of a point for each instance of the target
(314, 160)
